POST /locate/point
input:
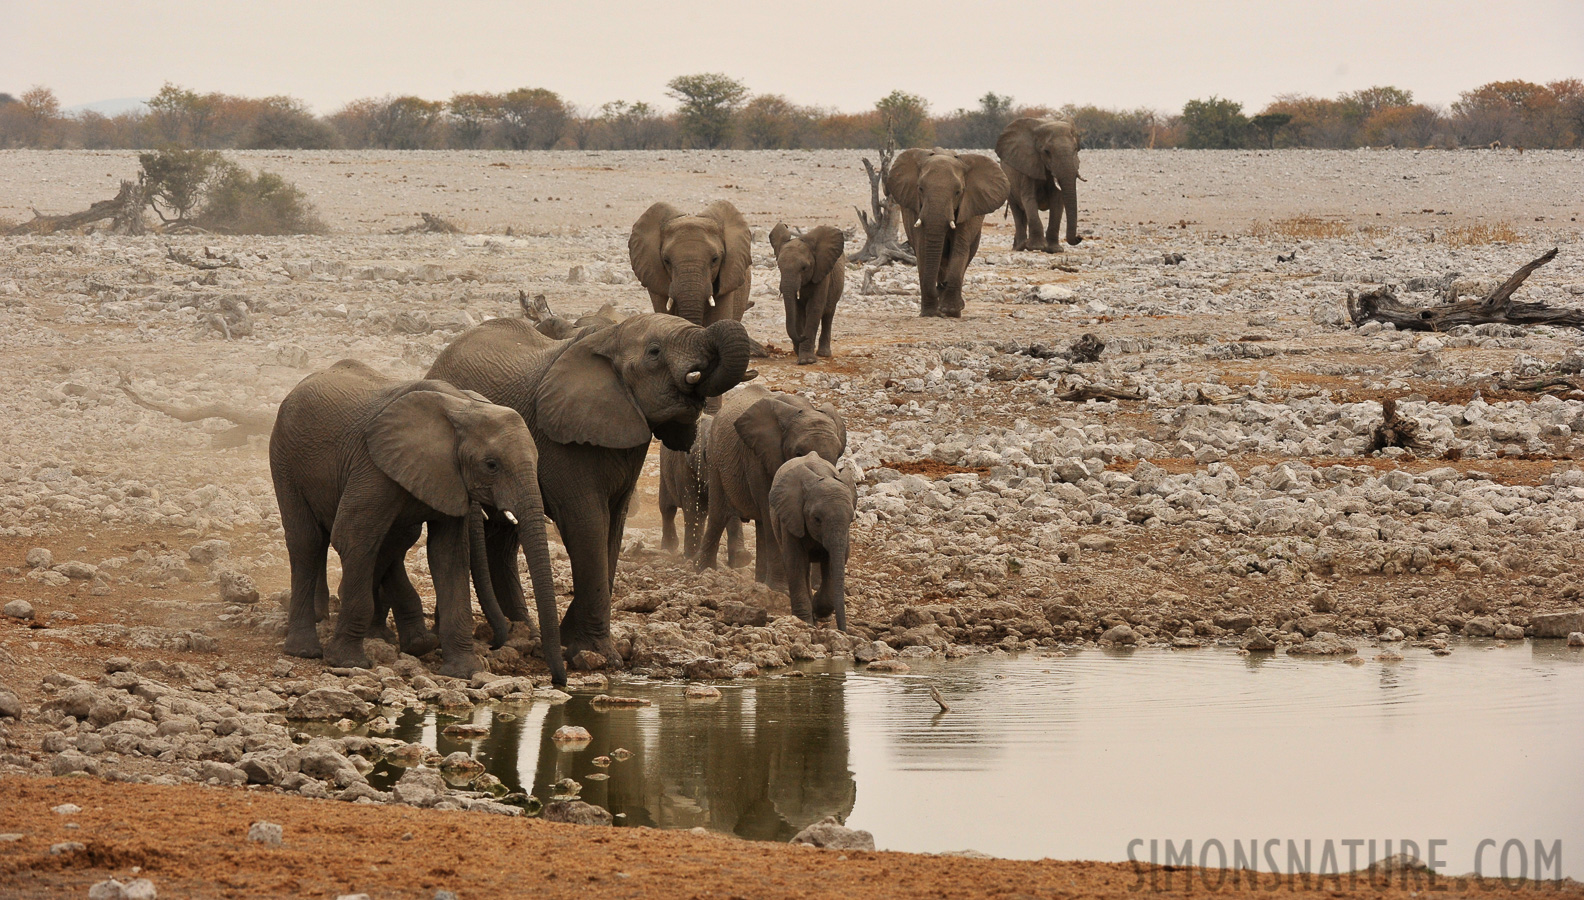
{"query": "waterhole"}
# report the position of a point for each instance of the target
(1075, 757)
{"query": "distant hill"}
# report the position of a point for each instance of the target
(111, 107)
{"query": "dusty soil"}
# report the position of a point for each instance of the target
(1238, 492)
(199, 849)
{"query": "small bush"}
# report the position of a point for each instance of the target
(1301, 228)
(241, 203)
(175, 178)
(1473, 235)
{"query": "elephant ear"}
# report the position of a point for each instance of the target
(779, 236)
(841, 424)
(985, 187)
(901, 182)
(760, 427)
(786, 494)
(829, 244)
(582, 400)
(738, 258)
(643, 247)
(414, 441)
(1018, 148)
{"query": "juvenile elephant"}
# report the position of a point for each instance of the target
(360, 462)
(812, 278)
(684, 485)
(944, 198)
(697, 267)
(1040, 159)
(811, 510)
(592, 403)
(754, 434)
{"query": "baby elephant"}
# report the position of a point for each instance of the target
(684, 485)
(360, 462)
(812, 277)
(811, 510)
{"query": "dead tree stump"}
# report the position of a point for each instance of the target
(1498, 307)
(881, 246)
(1393, 431)
(124, 210)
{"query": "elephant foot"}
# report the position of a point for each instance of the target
(1075, 240)
(1053, 247)
(421, 644)
(581, 651)
(668, 545)
(826, 352)
(303, 646)
(805, 360)
(382, 632)
(739, 560)
(462, 665)
(346, 653)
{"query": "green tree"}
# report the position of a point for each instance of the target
(709, 103)
(532, 118)
(471, 117)
(631, 126)
(405, 123)
(1214, 124)
(181, 116)
(284, 123)
(1267, 124)
(771, 122)
(979, 128)
(175, 178)
(904, 119)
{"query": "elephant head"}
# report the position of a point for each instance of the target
(693, 261)
(939, 192)
(786, 426)
(1045, 150)
(460, 454)
(805, 259)
(810, 500)
(647, 375)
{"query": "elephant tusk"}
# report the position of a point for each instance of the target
(695, 377)
(712, 301)
(509, 517)
(484, 512)
(918, 223)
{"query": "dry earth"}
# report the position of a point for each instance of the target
(1237, 493)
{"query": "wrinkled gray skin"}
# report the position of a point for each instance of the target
(753, 435)
(811, 512)
(813, 272)
(697, 267)
(684, 485)
(555, 327)
(592, 404)
(944, 197)
(1040, 159)
(360, 463)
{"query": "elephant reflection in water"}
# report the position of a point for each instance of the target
(761, 763)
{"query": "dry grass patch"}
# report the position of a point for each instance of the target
(1474, 235)
(1302, 228)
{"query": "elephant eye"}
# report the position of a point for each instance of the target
(492, 466)
(654, 351)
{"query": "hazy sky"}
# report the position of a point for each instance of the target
(1121, 53)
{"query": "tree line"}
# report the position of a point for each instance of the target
(715, 111)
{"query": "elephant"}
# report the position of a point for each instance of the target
(592, 403)
(812, 277)
(944, 198)
(360, 462)
(697, 267)
(1040, 158)
(811, 510)
(684, 485)
(755, 432)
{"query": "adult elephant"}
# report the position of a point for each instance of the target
(361, 462)
(697, 267)
(944, 198)
(753, 435)
(1040, 158)
(592, 402)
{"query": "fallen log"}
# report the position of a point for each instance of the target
(125, 210)
(881, 246)
(1497, 307)
(247, 422)
(1097, 392)
(431, 224)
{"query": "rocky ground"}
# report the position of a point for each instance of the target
(1236, 501)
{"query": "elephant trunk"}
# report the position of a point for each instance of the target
(726, 348)
(837, 590)
(529, 512)
(692, 293)
(932, 247)
(478, 563)
(1069, 189)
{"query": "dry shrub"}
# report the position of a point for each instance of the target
(1302, 228)
(1472, 235)
(240, 203)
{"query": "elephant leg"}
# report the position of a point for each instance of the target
(826, 318)
(964, 244)
(794, 324)
(345, 648)
(736, 553)
(1019, 224)
(795, 560)
(715, 523)
(825, 600)
(500, 539)
(613, 541)
(668, 532)
(1029, 198)
(586, 624)
(396, 592)
(768, 565)
(448, 564)
(379, 625)
(306, 546)
(810, 317)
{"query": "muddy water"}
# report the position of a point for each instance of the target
(1074, 757)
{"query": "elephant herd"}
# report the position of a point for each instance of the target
(516, 422)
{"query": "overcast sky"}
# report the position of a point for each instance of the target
(1117, 53)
